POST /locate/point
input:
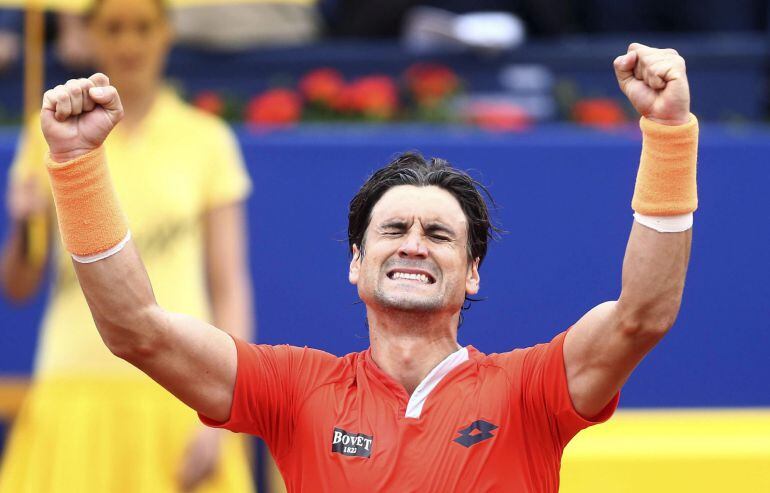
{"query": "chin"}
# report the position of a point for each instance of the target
(408, 302)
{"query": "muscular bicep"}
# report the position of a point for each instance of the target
(599, 356)
(190, 358)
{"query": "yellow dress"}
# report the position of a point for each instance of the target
(92, 422)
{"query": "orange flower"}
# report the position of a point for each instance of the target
(599, 112)
(430, 83)
(274, 107)
(322, 86)
(210, 102)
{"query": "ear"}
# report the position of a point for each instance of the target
(473, 281)
(355, 266)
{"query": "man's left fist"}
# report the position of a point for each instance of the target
(655, 81)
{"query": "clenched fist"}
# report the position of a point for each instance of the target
(77, 116)
(655, 81)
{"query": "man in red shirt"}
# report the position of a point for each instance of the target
(415, 411)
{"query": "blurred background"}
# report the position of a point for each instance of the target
(319, 93)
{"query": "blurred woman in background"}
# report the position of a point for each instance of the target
(92, 422)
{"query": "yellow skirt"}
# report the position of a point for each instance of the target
(109, 435)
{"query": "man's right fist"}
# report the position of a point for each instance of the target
(78, 116)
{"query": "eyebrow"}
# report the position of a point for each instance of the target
(393, 223)
(430, 227)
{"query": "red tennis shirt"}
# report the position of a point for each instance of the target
(477, 423)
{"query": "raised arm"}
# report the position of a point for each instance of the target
(604, 346)
(193, 360)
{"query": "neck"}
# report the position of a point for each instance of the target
(407, 346)
(137, 102)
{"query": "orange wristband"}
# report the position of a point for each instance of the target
(90, 218)
(665, 183)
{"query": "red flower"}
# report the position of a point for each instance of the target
(375, 96)
(600, 112)
(210, 102)
(345, 100)
(429, 83)
(274, 107)
(498, 116)
(322, 86)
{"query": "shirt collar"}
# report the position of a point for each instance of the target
(411, 406)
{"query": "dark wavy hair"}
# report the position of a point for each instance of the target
(411, 168)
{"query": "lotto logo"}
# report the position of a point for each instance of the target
(474, 433)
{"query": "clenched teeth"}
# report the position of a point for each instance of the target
(413, 277)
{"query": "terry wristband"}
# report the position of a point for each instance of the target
(91, 222)
(665, 183)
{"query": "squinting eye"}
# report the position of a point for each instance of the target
(440, 238)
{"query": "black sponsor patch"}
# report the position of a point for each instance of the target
(352, 444)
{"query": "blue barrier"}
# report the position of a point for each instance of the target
(564, 197)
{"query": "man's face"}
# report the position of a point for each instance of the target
(415, 253)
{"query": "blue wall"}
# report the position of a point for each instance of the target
(564, 197)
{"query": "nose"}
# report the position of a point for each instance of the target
(413, 245)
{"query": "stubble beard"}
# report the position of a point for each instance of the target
(407, 302)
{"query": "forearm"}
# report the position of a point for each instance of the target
(122, 303)
(654, 270)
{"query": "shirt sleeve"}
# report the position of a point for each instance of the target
(270, 384)
(544, 388)
(226, 179)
